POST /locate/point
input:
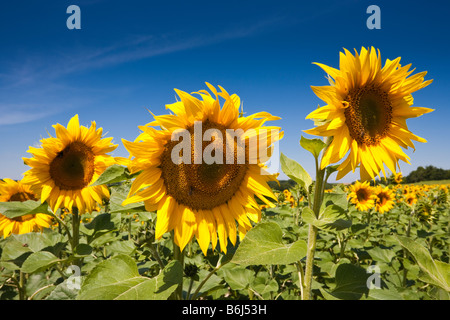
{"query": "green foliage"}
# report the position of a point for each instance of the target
(295, 171)
(434, 272)
(427, 173)
(264, 245)
(121, 259)
(315, 146)
(17, 209)
(118, 278)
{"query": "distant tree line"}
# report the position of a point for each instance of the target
(420, 174)
(427, 173)
(288, 184)
(284, 184)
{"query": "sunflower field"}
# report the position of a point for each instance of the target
(185, 218)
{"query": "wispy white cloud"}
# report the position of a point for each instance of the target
(29, 81)
(137, 47)
(14, 117)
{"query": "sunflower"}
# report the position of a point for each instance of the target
(410, 198)
(424, 210)
(11, 190)
(366, 110)
(398, 178)
(196, 196)
(361, 195)
(406, 189)
(65, 166)
(385, 199)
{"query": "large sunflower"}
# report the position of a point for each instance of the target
(11, 190)
(202, 198)
(366, 112)
(362, 196)
(65, 166)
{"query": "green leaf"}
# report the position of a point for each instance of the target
(330, 218)
(102, 222)
(122, 246)
(213, 283)
(39, 261)
(118, 279)
(351, 282)
(112, 174)
(16, 209)
(264, 285)
(62, 292)
(18, 247)
(237, 277)
(384, 294)
(264, 245)
(309, 216)
(339, 199)
(118, 196)
(435, 272)
(83, 249)
(295, 171)
(382, 255)
(315, 146)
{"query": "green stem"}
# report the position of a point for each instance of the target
(342, 244)
(405, 254)
(312, 236)
(368, 224)
(301, 277)
(218, 266)
(155, 254)
(129, 227)
(191, 282)
(21, 286)
(75, 233)
(178, 255)
(61, 223)
(408, 229)
(312, 233)
(448, 232)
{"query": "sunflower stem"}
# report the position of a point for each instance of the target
(213, 271)
(368, 224)
(61, 223)
(312, 236)
(21, 286)
(405, 253)
(191, 282)
(178, 255)
(312, 233)
(75, 234)
(301, 277)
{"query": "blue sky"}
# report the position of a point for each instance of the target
(130, 55)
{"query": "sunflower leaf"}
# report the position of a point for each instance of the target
(308, 216)
(351, 282)
(118, 279)
(39, 261)
(264, 245)
(118, 195)
(434, 272)
(112, 174)
(336, 198)
(329, 218)
(315, 146)
(295, 171)
(15, 209)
